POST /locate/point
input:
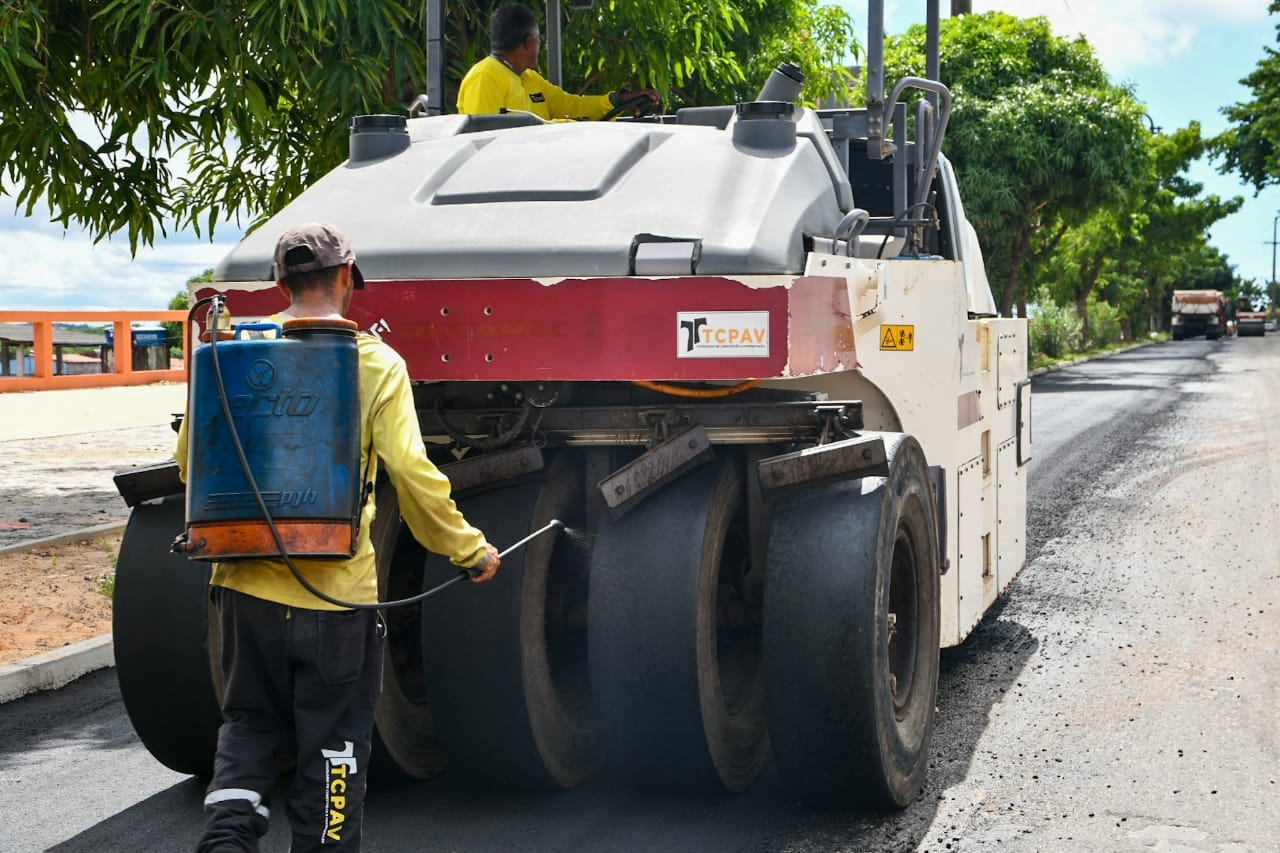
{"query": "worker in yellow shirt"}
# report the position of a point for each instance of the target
(506, 79)
(301, 675)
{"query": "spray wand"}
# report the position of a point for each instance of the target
(462, 575)
(466, 574)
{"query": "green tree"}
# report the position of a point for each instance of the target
(181, 301)
(1040, 138)
(1171, 252)
(1248, 294)
(1054, 331)
(696, 61)
(254, 98)
(1251, 145)
(1131, 253)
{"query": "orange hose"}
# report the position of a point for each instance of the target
(680, 391)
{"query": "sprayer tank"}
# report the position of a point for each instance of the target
(294, 403)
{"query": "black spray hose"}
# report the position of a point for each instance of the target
(464, 574)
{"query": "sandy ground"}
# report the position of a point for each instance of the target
(58, 453)
(55, 596)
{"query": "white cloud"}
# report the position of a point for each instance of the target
(46, 268)
(1137, 34)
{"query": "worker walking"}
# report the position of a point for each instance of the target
(506, 79)
(301, 675)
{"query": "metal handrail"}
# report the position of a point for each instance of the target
(44, 378)
(930, 161)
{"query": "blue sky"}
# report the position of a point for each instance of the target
(1185, 59)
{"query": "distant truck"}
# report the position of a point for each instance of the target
(1200, 312)
(1250, 323)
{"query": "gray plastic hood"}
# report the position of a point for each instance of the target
(566, 199)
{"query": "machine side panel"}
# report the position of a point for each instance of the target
(967, 556)
(1013, 448)
(670, 328)
(1011, 511)
(926, 369)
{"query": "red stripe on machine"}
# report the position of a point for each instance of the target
(601, 328)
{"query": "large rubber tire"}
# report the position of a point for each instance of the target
(505, 661)
(851, 635)
(159, 613)
(405, 743)
(678, 684)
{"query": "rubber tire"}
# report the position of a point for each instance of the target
(831, 582)
(656, 669)
(510, 696)
(406, 745)
(159, 612)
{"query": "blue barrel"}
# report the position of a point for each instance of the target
(295, 404)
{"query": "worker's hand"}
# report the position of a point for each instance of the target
(622, 96)
(486, 568)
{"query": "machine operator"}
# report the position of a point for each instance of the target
(506, 79)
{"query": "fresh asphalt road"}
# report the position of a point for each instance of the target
(1122, 696)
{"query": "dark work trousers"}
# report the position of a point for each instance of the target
(298, 685)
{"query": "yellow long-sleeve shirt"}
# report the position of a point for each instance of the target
(388, 418)
(492, 85)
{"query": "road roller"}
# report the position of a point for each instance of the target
(746, 354)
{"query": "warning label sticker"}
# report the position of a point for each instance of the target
(898, 338)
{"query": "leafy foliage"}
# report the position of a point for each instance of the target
(181, 301)
(1104, 324)
(1039, 136)
(1054, 330)
(1133, 254)
(106, 582)
(253, 95)
(1248, 295)
(252, 99)
(1251, 146)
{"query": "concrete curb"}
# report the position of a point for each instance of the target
(64, 538)
(1040, 371)
(54, 669)
(51, 670)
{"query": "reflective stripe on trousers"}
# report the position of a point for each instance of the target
(225, 794)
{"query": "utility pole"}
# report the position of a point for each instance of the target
(1272, 292)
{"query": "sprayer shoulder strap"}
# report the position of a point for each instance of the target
(367, 488)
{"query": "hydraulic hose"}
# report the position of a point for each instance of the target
(702, 393)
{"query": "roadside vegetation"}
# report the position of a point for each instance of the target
(1057, 332)
(106, 581)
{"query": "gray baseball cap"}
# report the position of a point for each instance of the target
(326, 247)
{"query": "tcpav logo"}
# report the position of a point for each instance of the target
(722, 334)
(342, 765)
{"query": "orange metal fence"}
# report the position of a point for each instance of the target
(44, 378)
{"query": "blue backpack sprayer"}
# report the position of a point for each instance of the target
(274, 446)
